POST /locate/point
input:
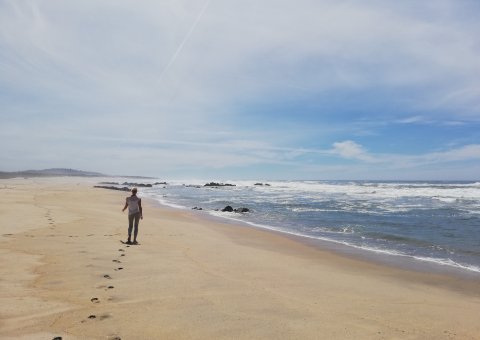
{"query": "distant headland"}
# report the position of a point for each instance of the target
(54, 172)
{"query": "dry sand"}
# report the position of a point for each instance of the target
(193, 278)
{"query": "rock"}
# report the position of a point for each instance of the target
(261, 184)
(111, 188)
(227, 209)
(242, 210)
(215, 184)
(138, 185)
(197, 208)
(160, 183)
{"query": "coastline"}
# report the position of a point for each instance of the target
(196, 278)
(388, 259)
(403, 268)
(403, 223)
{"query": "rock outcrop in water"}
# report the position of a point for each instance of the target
(138, 185)
(215, 184)
(229, 208)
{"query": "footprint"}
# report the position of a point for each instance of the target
(119, 268)
(107, 276)
(57, 338)
(110, 287)
(121, 250)
(122, 255)
(104, 316)
(114, 337)
(92, 316)
(95, 300)
(117, 261)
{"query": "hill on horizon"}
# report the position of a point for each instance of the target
(53, 172)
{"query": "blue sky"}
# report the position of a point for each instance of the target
(242, 89)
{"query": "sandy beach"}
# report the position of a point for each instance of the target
(65, 273)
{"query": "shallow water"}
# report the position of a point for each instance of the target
(436, 222)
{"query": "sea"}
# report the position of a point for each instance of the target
(431, 222)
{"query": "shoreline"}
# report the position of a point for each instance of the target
(433, 247)
(458, 279)
(399, 261)
(192, 278)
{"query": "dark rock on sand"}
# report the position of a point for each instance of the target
(111, 188)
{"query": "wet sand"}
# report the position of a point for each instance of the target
(64, 272)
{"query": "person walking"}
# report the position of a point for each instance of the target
(135, 213)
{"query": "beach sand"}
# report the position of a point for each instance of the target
(64, 272)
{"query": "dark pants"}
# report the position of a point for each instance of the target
(131, 219)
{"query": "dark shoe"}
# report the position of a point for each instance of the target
(135, 242)
(128, 242)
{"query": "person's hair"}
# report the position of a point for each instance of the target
(134, 190)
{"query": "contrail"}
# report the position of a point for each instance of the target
(185, 39)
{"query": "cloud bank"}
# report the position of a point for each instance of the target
(291, 89)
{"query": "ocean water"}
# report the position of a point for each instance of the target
(435, 222)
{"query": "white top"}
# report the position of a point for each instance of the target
(133, 207)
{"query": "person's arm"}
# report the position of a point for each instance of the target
(126, 205)
(140, 207)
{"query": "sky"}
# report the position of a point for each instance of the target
(223, 89)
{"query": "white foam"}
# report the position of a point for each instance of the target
(389, 252)
(164, 201)
(378, 190)
(379, 198)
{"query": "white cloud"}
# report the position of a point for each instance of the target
(180, 71)
(351, 150)
(158, 54)
(463, 153)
